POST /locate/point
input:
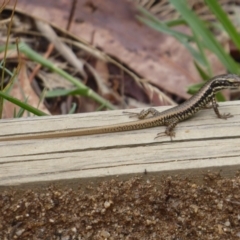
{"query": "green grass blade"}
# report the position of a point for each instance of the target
(175, 22)
(204, 75)
(194, 88)
(150, 20)
(31, 54)
(206, 36)
(204, 59)
(19, 103)
(216, 8)
(73, 108)
(63, 92)
(21, 111)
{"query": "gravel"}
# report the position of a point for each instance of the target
(137, 208)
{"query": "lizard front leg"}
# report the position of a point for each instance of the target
(215, 108)
(143, 114)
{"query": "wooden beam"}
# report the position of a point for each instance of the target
(203, 142)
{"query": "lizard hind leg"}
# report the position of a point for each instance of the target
(171, 134)
(143, 114)
(169, 130)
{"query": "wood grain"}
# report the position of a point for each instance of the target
(202, 143)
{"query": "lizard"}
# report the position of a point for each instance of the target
(169, 118)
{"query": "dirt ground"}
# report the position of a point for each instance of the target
(137, 208)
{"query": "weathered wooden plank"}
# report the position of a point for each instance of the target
(203, 142)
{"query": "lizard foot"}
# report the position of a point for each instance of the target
(133, 115)
(166, 133)
(225, 116)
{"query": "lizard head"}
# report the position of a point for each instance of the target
(225, 81)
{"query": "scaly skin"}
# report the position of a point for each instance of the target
(169, 118)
